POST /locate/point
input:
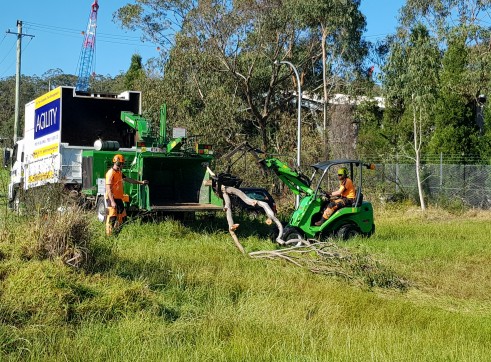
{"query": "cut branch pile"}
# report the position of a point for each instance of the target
(329, 259)
(319, 257)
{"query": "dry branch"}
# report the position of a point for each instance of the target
(319, 257)
(227, 190)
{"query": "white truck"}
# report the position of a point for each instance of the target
(58, 126)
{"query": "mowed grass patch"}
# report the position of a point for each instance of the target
(166, 291)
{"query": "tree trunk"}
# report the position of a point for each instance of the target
(325, 95)
(417, 129)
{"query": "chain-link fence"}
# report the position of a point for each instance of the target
(467, 184)
(444, 182)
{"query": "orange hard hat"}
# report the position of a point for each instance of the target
(118, 158)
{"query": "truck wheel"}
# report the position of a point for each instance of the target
(290, 234)
(347, 231)
(101, 209)
(14, 202)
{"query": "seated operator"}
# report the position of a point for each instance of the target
(346, 193)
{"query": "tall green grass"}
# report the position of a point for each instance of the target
(164, 291)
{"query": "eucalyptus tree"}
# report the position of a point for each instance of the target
(230, 45)
(463, 33)
(220, 54)
(411, 83)
(338, 26)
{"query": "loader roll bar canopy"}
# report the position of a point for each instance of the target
(323, 167)
(327, 164)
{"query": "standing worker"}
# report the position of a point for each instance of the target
(116, 214)
(346, 193)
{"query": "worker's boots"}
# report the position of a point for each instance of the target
(327, 213)
(109, 229)
(111, 225)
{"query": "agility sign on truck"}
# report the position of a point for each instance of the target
(58, 126)
(43, 153)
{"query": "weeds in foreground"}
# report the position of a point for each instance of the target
(62, 234)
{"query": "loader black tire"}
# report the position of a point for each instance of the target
(347, 231)
(371, 232)
(291, 233)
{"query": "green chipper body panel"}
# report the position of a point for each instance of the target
(176, 182)
(177, 172)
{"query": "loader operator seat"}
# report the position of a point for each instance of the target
(360, 201)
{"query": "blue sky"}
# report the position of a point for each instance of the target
(57, 27)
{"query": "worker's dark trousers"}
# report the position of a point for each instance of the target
(336, 205)
(115, 216)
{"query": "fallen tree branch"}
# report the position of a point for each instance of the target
(231, 225)
(324, 258)
(329, 259)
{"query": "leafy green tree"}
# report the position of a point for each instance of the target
(463, 33)
(456, 132)
(340, 25)
(228, 45)
(413, 66)
(228, 49)
(135, 72)
(372, 142)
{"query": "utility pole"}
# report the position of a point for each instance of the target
(17, 75)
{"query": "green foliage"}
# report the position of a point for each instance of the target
(134, 72)
(371, 137)
(456, 131)
(220, 72)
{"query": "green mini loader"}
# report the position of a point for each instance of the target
(345, 223)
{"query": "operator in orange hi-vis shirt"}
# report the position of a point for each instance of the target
(116, 214)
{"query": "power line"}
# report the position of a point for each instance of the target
(76, 33)
(8, 52)
(9, 67)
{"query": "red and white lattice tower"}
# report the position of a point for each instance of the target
(85, 63)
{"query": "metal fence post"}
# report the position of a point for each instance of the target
(397, 173)
(441, 171)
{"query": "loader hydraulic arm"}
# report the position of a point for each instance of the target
(297, 182)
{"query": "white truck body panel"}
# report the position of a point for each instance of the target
(54, 137)
(42, 130)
